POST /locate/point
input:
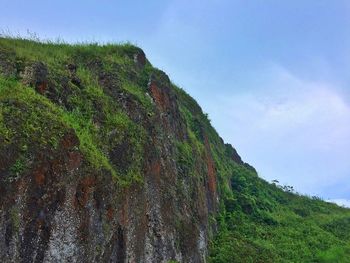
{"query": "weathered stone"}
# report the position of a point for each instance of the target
(140, 58)
(35, 75)
(64, 209)
(233, 153)
(7, 65)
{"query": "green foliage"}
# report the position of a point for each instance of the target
(18, 167)
(28, 118)
(185, 157)
(334, 255)
(140, 96)
(339, 227)
(54, 53)
(85, 131)
(262, 223)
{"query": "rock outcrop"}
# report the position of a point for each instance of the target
(99, 162)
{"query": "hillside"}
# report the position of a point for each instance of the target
(103, 159)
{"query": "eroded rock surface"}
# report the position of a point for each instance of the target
(93, 165)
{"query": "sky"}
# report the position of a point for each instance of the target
(274, 76)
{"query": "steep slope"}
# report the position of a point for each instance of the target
(103, 159)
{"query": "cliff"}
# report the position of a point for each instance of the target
(103, 159)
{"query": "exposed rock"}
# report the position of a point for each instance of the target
(233, 153)
(140, 58)
(63, 204)
(166, 102)
(35, 75)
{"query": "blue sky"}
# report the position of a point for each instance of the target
(274, 76)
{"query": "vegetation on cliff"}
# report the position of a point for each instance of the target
(112, 104)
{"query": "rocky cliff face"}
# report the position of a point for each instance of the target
(102, 158)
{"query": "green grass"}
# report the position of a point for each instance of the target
(27, 117)
(30, 118)
(140, 96)
(18, 167)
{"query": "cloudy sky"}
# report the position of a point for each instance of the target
(274, 76)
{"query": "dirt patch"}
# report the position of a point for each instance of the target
(69, 140)
(39, 176)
